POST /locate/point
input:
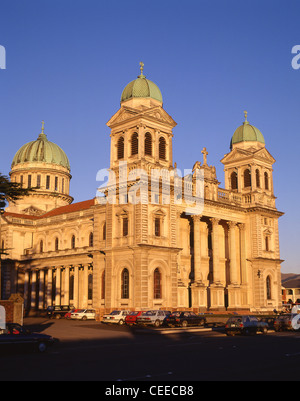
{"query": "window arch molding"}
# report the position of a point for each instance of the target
(269, 287)
(118, 272)
(134, 144)
(162, 148)
(165, 277)
(148, 144)
(121, 148)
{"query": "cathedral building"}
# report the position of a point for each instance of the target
(153, 238)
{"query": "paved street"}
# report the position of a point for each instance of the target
(93, 351)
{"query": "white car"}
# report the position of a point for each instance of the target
(116, 316)
(84, 314)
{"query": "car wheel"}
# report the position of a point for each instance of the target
(84, 318)
(57, 317)
(264, 330)
(41, 347)
(121, 322)
(157, 323)
(184, 323)
(202, 322)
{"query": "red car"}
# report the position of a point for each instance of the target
(131, 318)
(68, 315)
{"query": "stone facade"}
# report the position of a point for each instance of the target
(140, 245)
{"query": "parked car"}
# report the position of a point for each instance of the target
(17, 337)
(284, 322)
(185, 318)
(116, 317)
(153, 317)
(58, 311)
(84, 314)
(245, 325)
(130, 319)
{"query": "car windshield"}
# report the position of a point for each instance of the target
(133, 313)
(80, 310)
(149, 313)
(115, 312)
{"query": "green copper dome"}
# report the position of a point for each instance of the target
(247, 132)
(141, 87)
(41, 150)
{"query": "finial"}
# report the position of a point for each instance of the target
(205, 153)
(43, 125)
(245, 114)
(141, 67)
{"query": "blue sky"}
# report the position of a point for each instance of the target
(67, 62)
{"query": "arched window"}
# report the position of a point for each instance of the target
(103, 285)
(125, 227)
(104, 232)
(162, 148)
(148, 144)
(41, 246)
(268, 285)
(157, 284)
(91, 239)
(257, 177)
(134, 144)
(56, 244)
(157, 226)
(73, 242)
(234, 180)
(247, 178)
(266, 180)
(121, 148)
(125, 284)
(267, 243)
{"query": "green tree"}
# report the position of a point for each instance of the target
(11, 191)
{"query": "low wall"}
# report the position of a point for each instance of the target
(13, 309)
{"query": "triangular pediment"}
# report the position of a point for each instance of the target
(236, 155)
(33, 211)
(153, 113)
(159, 114)
(239, 154)
(265, 155)
(123, 114)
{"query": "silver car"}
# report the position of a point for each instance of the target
(116, 317)
(153, 317)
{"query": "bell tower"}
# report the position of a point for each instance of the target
(138, 239)
(249, 166)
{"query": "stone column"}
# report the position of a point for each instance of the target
(233, 253)
(26, 290)
(33, 289)
(57, 287)
(67, 286)
(197, 245)
(85, 286)
(76, 287)
(216, 289)
(215, 247)
(41, 289)
(234, 289)
(243, 256)
(49, 287)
